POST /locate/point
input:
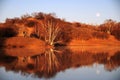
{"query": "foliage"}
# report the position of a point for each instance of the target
(116, 31)
(53, 30)
(7, 32)
(100, 35)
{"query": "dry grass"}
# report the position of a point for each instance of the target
(95, 49)
(95, 46)
(96, 42)
(22, 41)
(21, 46)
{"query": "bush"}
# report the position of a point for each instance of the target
(100, 35)
(116, 33)
(82, 34)
(7, 32)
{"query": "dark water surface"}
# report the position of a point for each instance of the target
(61, 64)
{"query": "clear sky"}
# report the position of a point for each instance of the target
(85, 11)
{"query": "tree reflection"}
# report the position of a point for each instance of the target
(50, 63)
(113, 62)
(54, 60)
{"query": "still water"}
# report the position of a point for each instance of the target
(63, 63)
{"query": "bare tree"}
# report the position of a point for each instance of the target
(109, 24)
(48, 29)
(52, 29)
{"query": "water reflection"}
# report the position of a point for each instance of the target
(50, 62)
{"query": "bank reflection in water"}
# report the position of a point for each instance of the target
(52, 61)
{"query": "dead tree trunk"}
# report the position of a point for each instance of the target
(52, 30)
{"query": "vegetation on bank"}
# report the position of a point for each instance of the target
(54, 31)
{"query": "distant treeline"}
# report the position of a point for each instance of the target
(53, 30)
